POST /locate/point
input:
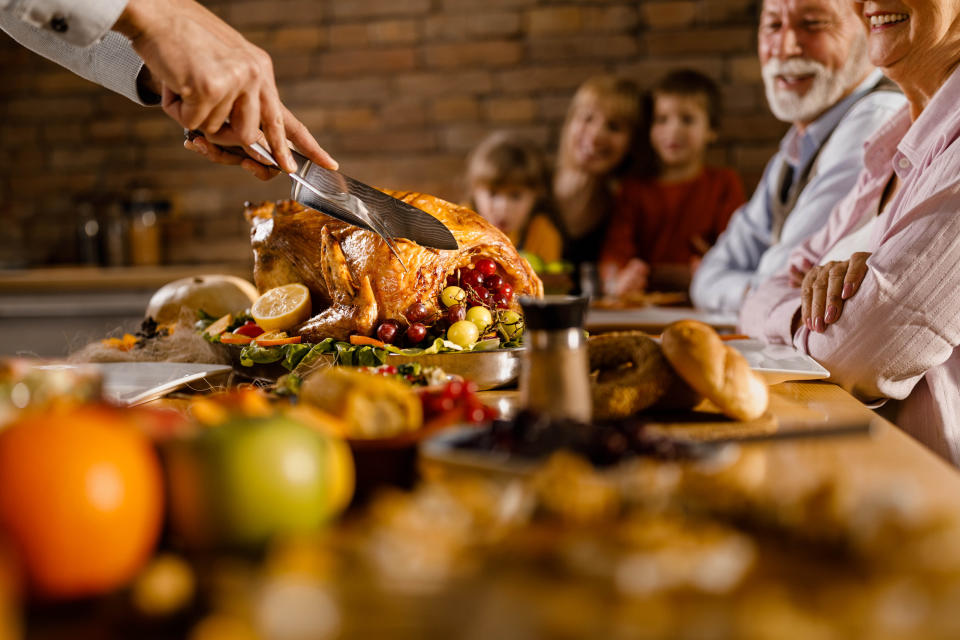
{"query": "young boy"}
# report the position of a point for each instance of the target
(507, 180)
(663, 223)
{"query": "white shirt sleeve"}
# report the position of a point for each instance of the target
(111, 62)
(744, 257)
(78, 23)
(722, 279)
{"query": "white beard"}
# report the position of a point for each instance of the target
(827, 88)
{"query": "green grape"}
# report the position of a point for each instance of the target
(510, 325)
(463, 333)
(481, 317)
(452, 295)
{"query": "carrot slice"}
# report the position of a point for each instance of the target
(274, 342)
(363, 340)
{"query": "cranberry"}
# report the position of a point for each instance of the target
(477, 415)
(493, 282)
(416, 333)
(440, 404)
(418, 312)
(387, 331)
(454, 389)
(471, 279)
(486, 266)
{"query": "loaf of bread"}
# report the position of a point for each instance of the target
(717, 371)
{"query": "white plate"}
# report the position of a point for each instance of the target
(779, 363)
(132, 383)
(654, 318)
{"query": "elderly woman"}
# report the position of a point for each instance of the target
(879, 304)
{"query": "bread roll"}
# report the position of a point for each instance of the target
(632, 375)
(715, 370)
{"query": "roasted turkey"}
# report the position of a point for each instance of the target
(355, 281)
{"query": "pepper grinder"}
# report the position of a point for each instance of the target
(554, 374)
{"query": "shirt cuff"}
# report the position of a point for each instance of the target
(780, 324)
(117, 66)
(77, 23)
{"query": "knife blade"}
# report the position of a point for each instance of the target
(356, 203)
(398, 219)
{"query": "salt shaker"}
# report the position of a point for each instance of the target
(554, 375)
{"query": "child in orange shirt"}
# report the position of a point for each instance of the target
(508, 184)
(664, 223)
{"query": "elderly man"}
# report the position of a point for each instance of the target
(817, 77)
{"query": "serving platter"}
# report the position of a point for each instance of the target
(133, 383)
(488, 369)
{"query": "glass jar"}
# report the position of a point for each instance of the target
(555, 371)
(144, 229)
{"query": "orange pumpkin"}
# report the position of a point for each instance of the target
(81, 498)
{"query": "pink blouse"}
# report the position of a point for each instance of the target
(898, 335)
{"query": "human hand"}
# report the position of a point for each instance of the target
(216, 153)
(798, 273)
(631, 278)
(826, 287)
(215, 80)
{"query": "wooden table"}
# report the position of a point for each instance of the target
(654, 319)
(853, 536)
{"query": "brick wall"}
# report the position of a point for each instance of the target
(399, 91)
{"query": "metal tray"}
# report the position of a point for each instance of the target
(488, 369)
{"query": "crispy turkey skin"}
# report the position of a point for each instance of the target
(355, 281)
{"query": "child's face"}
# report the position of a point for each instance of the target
(597, 140)
(506, 207)
(681, 129)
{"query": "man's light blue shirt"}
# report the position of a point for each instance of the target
(745, 254)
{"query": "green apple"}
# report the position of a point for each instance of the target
(249, 479)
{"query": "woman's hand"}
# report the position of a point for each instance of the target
(826, 287)
(797, 274)
(631, 278)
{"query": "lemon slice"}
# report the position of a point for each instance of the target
(282, 308)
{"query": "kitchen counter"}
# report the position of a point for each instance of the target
(70, 278)
(54, 311)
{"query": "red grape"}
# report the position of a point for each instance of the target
(493, 282)
(506, 290)
(418, 312)
(453, 280)
(502, 301)
(471, 279)
(479, 296)
(416, 333)
(456, 313)
(486, 266)
(387, 331)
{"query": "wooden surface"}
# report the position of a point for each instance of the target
(837, 528)
(108, 278)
